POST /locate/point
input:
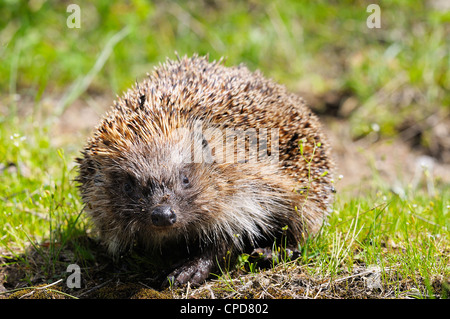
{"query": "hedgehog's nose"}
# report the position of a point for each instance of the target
(163, 216)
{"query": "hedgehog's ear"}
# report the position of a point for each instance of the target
(207, 153)
(201, 149)
(213, 145)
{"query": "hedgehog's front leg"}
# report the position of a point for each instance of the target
(195, 271)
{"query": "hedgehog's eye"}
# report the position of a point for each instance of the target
(128, 188)
(185, 180)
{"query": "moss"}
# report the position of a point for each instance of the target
(130, 291)
(38, 293)
(147, 293)
(117, 291)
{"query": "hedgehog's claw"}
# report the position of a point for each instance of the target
(195, 272)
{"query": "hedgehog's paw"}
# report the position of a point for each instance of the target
(195, 272)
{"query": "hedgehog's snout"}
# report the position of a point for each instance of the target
(163, 215)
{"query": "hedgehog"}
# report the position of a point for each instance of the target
(201, 162)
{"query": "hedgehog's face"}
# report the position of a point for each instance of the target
(155, 188)
(159, 202)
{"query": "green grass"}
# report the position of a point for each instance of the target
(405, 240)
(397, 74)
(409, 236)
(40, 207)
